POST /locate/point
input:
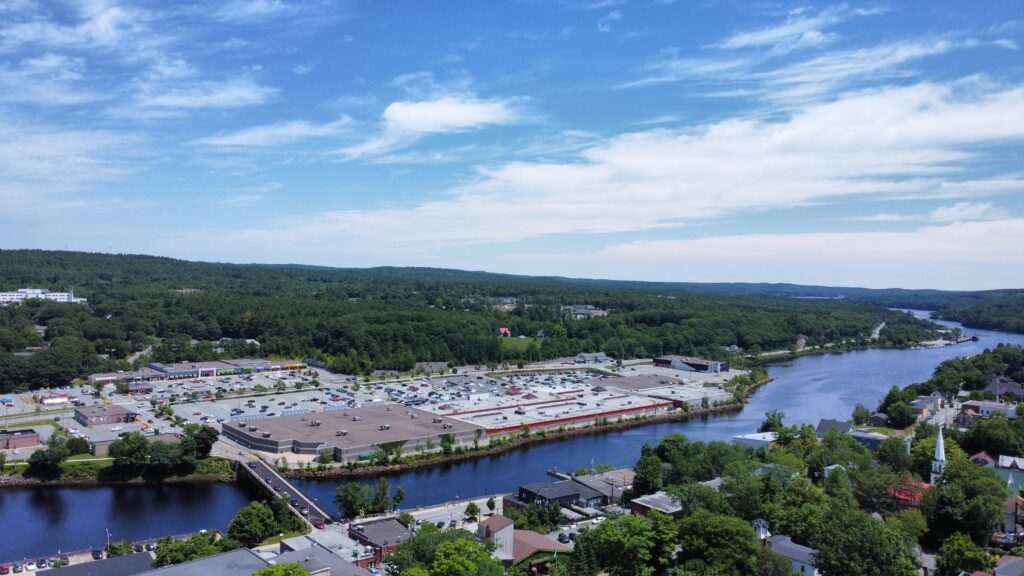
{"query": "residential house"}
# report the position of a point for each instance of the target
(1013, 513)
(1002, 387)
(799, 556)
(870, 440)
(878, 420)
(825, 425)
(610, 484)
(661, 501)
(533, 547)
(975, 409)
(757, 441)
(499, 530)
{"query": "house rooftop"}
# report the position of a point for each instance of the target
(660, 501)
(234, 563)
(526, 542)
(382, 533)
(785, 546)
(495, 523)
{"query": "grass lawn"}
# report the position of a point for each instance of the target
(517, 344)
(276, 539)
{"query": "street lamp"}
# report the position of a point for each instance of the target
(108, 540)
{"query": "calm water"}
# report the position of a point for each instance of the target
(806, 389)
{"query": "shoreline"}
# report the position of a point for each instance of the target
(534, 438)
(362, 471)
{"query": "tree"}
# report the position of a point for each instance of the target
(861, 415)
(996, 435)
(352, 499)
(252, 524)
(472, 510)
(420, 551)
(130, 453)
(852, 543)
(115, 549)
(164, 456)
(78, 445)
(631, 545)
(491, 504)
(900, 415)
(283, 569)
(199, 440)
(399, 497)
(173, 551)
(959, 554)
(46, 462)
(649, 476)
(893, 453)
(717, 544)
(464, 557)
(772, 421)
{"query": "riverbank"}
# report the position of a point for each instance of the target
(213, 470)
(540, 437)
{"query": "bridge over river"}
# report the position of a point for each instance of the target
(268, 479)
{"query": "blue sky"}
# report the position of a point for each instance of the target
(870, 144)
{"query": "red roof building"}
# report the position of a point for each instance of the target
(910, 492)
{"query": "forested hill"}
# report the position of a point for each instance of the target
(386, 318)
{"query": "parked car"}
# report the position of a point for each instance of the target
(563, 538)
(97, 554)
(318, 524)
(17, 567)
(440, 524)
(30, 566)
(304, 511)
(5, 569)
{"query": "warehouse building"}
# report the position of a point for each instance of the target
(691, 364)
(22, 294)
(21, 438)
(98, 415)
(351, 434)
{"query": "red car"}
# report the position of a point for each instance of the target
(318, 524)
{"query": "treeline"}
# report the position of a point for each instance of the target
(359, 321)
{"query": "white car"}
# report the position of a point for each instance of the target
(117, 428)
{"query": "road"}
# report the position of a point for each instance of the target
(273, 480)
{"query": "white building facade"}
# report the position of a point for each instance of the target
(22, 294)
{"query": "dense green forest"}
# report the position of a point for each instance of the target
(384, 318)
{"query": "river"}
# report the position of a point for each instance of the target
(38, 521)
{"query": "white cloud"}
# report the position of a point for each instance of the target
(253, 10)
(49, 79)
(958, 255)
(275, 134)
(967, 211)
(897, 141)
(406, 122)
(44, 166)
(605, 24)
(959, 212)
(803, 29)
(302, 69)
(234, 93)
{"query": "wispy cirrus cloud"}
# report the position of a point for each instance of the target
(803, 29)
(276, 134)
(406, 122)
(959, 212)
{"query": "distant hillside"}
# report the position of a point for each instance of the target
(361, 320)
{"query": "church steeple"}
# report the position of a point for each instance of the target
(939, 461)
